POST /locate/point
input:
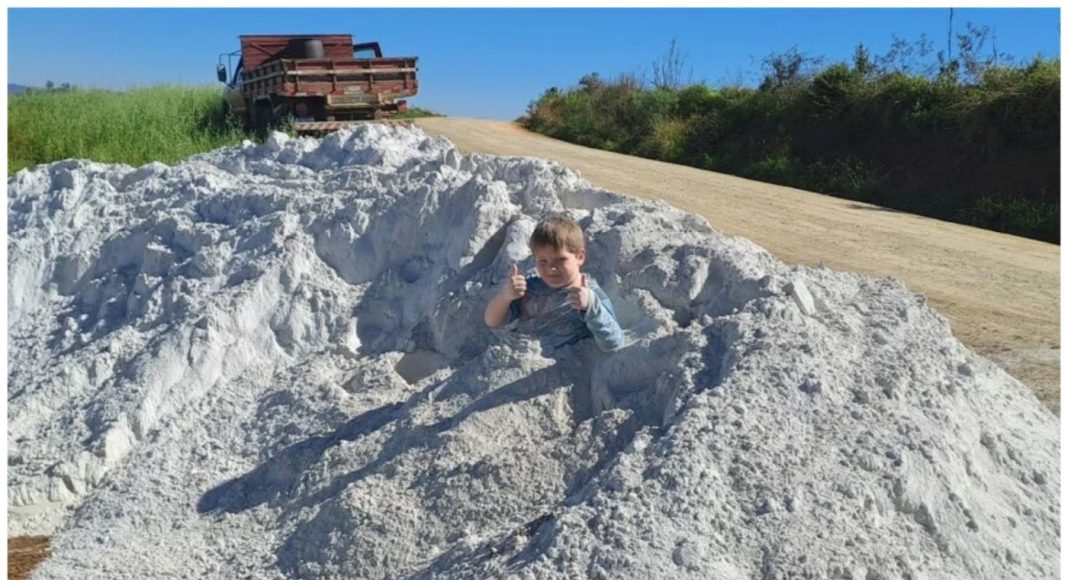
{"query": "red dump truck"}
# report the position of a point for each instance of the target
(320, 80)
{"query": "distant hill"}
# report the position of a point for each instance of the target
(13, 89)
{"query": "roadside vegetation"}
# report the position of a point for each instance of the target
(415, 113)
(970, 137)
(164, 123)
(159, 123)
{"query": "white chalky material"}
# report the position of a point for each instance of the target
(269, 361)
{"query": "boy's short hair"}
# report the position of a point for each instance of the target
(558, 233)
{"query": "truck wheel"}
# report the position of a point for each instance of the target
(262, 118)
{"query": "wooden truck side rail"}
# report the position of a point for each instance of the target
(344, 82)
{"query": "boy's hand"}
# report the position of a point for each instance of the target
(579, 298)
(516, 284)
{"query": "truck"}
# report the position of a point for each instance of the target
(321, 82)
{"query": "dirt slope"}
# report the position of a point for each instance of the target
(1000, 293)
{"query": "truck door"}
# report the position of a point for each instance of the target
(232, 93)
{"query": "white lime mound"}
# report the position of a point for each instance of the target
(269, 361)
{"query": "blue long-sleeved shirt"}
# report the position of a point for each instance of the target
(545, 312)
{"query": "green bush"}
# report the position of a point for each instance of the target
(868, 132)
(834, 89)
(1014, 215)
(778, 166)
(667, 140)
(696, 100)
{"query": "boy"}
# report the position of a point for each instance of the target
(561, 305)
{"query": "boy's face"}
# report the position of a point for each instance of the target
(559, 268)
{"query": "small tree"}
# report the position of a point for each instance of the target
(971, 45)
(970, 65)
(591, 83)
(862, 62)
(904, 57)
(787, 69)
(668, 70)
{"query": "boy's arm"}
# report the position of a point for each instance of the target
(497, 310)
(513, 288)
(601, 320)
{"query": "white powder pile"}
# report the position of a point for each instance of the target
(269, 361)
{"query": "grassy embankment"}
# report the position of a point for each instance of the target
(160, 123)
(975, 144)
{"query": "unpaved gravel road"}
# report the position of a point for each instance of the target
(1000, 293)
(23, 555)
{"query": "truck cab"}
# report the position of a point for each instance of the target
(233, 101)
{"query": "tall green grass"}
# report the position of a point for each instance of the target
(159, 123)
(164, 123)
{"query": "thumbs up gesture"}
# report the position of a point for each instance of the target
(515, 286)
(579, 298)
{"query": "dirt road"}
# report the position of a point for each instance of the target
(1000, 293)
(23, 555)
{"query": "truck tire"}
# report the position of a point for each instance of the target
(262, 117)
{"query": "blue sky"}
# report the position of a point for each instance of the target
(488, 62)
